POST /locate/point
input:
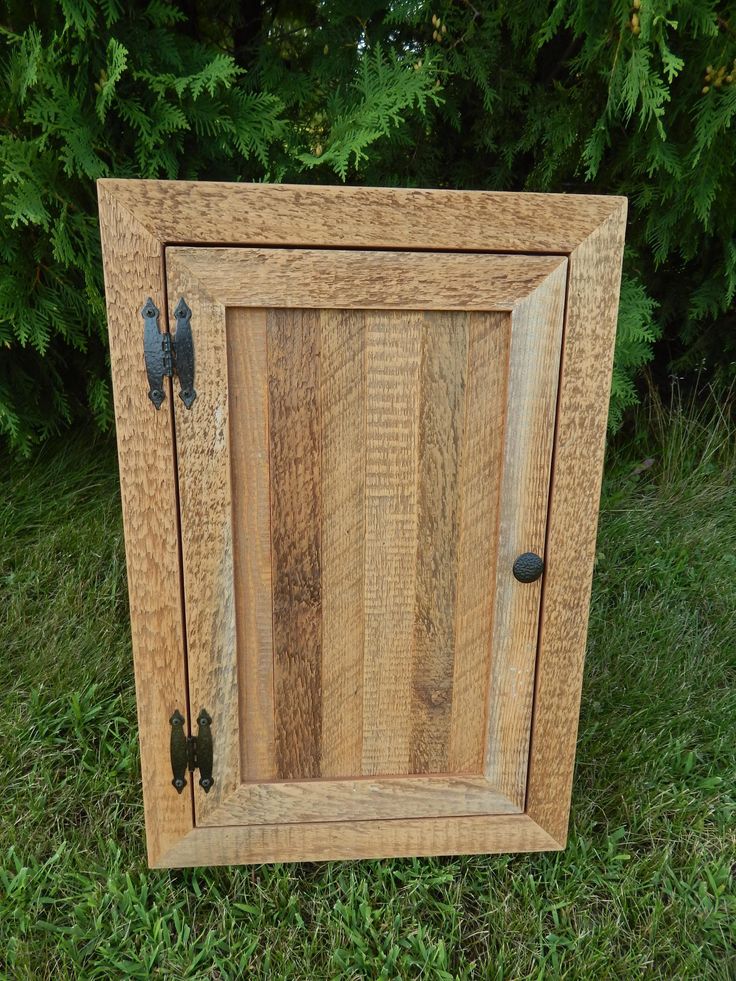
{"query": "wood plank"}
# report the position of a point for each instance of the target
(393, 351)
(296, 522)
(343, 405)
(480, 487)
(441, 421)
(359, 839)
(203, 453)
(351, 800)
(536, 337)
(247, 362)
(133, 266)
(363, 217)
(337, 279)
(590, 331)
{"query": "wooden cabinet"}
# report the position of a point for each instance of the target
(367, 405)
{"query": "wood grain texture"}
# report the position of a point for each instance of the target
(534, 363)
(137, 218)
(364, 217)
(480, 487)
(337, 279)
(296, 521)
(590, 330)
(203, 454)
(441, 429)
(343, 413)
(133, 266)
(393, 354)
(247, 362)
(296, 801)
(359, 839)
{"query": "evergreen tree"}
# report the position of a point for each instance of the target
(634, 97)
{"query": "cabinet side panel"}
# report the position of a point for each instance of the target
(585, 381)
(133, 263)
(247, 361)
(296, 521)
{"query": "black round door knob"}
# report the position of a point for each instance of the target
(528, 567)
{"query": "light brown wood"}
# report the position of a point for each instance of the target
(138, 219)
(393, 359)
(536, 336)
(343, 401)
(441, 430)
(358, 839)
(294, 802)
(247, 361)
(296, 554)
(336, 279)
(403, 669)
(481, 470)
(363, 217)
(133, 266)
(203, 456)
(397, 432)
(590, 331)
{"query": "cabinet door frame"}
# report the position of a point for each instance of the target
(139, 219)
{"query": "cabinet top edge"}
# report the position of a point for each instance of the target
(116, 183)
(302, 215)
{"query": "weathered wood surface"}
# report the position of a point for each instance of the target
(339, 279)
(359, 839)
(343, 394)
(534, 363)
(205, 495)
(407, 464)
(247, 360)
(133, 264)
(295, 801)
(443, 372)
(585, 381)
(296, 540)
(364, 217)
(480, 486)
(393, 353)
(138, 220)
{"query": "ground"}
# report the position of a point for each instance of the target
(644, 889)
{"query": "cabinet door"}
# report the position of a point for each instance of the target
(368, 453)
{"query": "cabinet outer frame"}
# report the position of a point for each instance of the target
(139, 219)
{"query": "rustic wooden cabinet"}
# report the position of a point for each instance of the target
(343, 415)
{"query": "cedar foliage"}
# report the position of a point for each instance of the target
(634, 97)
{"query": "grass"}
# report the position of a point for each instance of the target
(644, 889)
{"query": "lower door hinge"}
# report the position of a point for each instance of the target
(167, 354)
(191, 752)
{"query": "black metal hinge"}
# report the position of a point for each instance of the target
(168, 354)
(191, 752)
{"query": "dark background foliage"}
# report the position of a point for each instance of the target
(634, 97)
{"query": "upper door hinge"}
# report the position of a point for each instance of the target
(191, 752)
(168, 354)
